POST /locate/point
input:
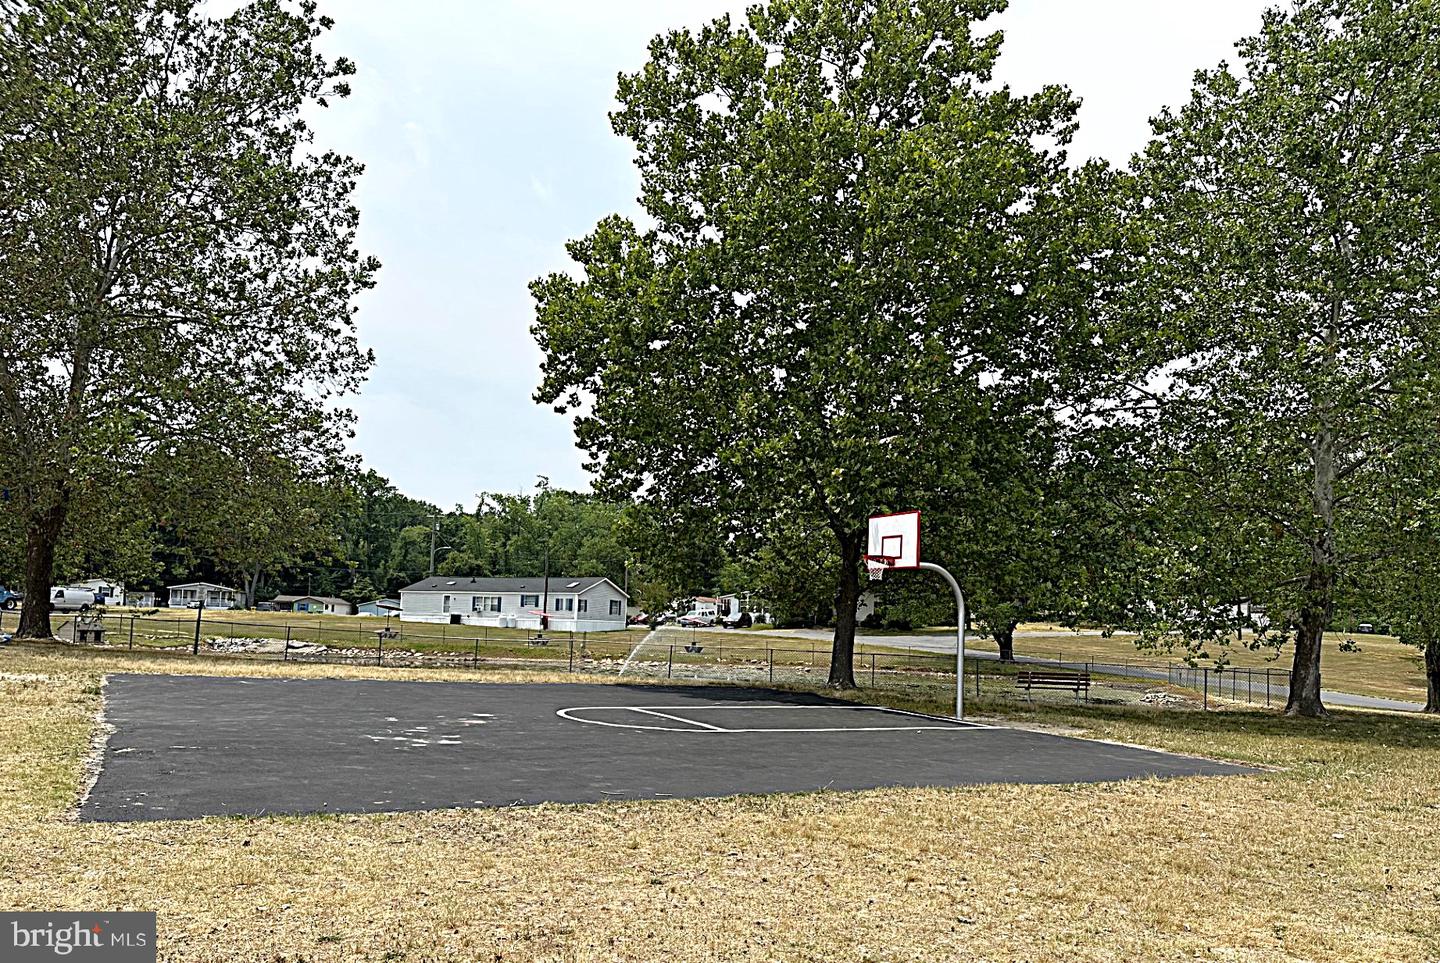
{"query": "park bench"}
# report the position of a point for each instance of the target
(1031, 679)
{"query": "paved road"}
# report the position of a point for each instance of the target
(946, 643)
(189, 746)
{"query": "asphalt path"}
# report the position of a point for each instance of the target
(192, 746)
(946, 643)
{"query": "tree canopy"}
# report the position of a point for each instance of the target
(847, 271)
(1286, 246)
(176, 263)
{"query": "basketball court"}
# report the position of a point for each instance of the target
(190, 746)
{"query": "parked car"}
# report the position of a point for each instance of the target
(695, 621)
(266, 607)
(9, 599)
(71, 600)
(741, 620)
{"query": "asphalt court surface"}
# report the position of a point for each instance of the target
(190, 746)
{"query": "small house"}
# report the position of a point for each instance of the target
(107, 591)
(316, 604)
(191, 595)
(379, 607)
(588, 604)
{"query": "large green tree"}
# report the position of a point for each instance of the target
(1289, 250)
(176, 261)
(837, 283)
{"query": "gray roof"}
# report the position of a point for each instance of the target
(327, 599)
(459, 584)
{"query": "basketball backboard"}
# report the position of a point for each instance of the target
(894, 540)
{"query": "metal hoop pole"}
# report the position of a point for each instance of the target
(959, 636)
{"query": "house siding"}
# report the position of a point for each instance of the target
(429, 606)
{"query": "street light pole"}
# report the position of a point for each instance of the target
(959, 635)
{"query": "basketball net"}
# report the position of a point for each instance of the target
(877, 564)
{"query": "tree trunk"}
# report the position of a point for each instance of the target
(1432, 677)
(1005, 638)
(40, 539)
(252, 585)
(1305, 670)
(1319, 604)
(847, 595)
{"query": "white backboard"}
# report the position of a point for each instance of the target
(895, 538)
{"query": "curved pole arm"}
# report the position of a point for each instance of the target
(959, 635)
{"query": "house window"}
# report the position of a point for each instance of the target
(445, 604)
(529, 601)
(614, 606)
(485, 603)
(494, 603)
(476, 602)
(584, 605)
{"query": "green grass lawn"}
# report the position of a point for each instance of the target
(1381, 666)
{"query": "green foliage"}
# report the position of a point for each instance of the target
(176, 264)
(845, 274)
(1286, 239)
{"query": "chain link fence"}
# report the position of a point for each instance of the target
(734, 657)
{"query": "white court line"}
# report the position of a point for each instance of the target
(950, 725)
(690, 722)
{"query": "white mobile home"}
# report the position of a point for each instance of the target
(107, 591)
(192, 595)
(590, 604)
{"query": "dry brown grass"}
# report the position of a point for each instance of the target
(1335, 858)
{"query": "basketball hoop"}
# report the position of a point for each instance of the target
(894, 542)
(877, 564)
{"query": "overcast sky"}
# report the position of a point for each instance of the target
(482, 124)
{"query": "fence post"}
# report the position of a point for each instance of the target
(770, 658)
(572, 654)
(1267, 687)
(1206, 683)
(670, 662)
(285, 653)
(379, 650)
(132, 633)
(199, 613)
(977, 678)
(475, 660)
(872, 666)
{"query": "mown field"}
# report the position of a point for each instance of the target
(1375, 665)
(1378, 665)
(1330, 856)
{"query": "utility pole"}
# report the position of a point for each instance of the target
(545, 599)
(434, 527)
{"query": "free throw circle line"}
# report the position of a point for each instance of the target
(693, 725)
(691, 722)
